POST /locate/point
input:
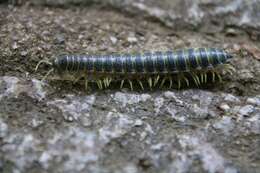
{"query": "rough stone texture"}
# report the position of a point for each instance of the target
(55, 126)
(208, 15)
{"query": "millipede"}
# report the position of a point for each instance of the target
(159, 68)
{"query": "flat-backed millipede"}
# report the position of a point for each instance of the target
(154, 67)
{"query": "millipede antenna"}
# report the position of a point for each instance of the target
(46, 62)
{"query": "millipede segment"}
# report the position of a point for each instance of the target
(169, 67)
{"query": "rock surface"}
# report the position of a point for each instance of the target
(55, 126)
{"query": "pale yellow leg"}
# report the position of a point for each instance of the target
(156, 80)
(122, 83)
(49, 72)
(86, 84)
(213, 76)
(109, 80)
(163, 81)
(141, 84)
(150, 82)
(219, 77)
(99, 83)
(205, 77)
(170, 79)
(105, 82)
(77, 79)
(201, 78)
(179, 82)
(198, 79)
(131, 84)
(195, 79)
(187, 81)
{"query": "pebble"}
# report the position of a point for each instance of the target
(113, 40)
(132, 39)
(35, 123)
(171, 95)
(231, 98)
(225, 124)
(138, 122)
(225, 107)
(246, 75)
(246, 110)
(24, 53)
(59, 39)
(253, 101)
(199, 111)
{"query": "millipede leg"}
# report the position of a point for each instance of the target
(99, 83)
(163, 81)
(141, 84)
(86, 84)
(170, 79)
(122, 83)
(179, 82)
(201, 78)
(229, 71)
(49, 72)
(213, 76)
(105, 82)
(198, 79)
(156, 80)
(205, 77)
(219, 77)
(131, 84)
(76, 79)
(109, 80)
(150, 82)
(230, 67)
(195, 79)
(186, 80)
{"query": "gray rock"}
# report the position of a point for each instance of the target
(59, 39)
(253, 123)
(75, 108)
(129, 99)
(59, 127)
(246, 110)
(3, 129)
(225, 124)
(181, 14)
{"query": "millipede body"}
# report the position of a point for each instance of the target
(154, 67)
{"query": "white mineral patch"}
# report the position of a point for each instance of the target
(13, 86)
(195, 145)
(254, 100)
(231, 98)
(246, 110)
(225, 124)
(225, 107)
(158, 103)
(115, 125)
(75, 144)
(74, 107)
(126, 98)
(20, 149)
(3, 129)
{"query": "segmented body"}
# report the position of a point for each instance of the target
(171, 65)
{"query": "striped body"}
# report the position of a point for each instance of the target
(169, 62)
